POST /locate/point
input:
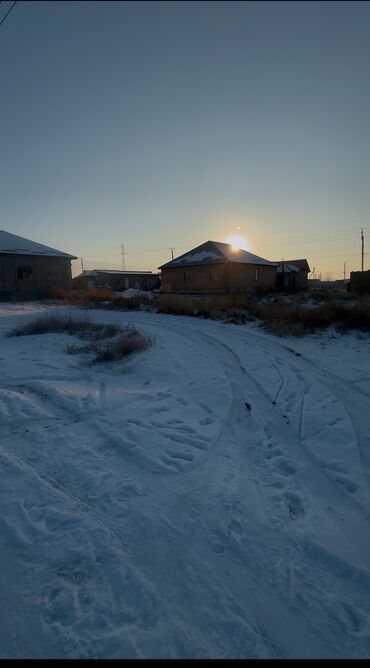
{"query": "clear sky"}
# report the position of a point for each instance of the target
(165, 124)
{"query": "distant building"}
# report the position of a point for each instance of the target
(214, 267)
(116, 280)
(360, 282)
(292, 274)
(29, 269)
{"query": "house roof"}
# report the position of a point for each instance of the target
(115, 272)
(12, 244)
(302, 265)
(215, 252)
(284, 268)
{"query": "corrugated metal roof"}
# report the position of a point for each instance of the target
(12, 244)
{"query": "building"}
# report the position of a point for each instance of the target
(360, 282)
(214, 267)
(292, 274)
(116, 280)
(29, 269)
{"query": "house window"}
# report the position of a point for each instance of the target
(186, 277)
(257, 274)
(24, 271)
(213, 275)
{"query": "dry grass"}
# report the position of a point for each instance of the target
(128, 342)
(81, 327)
(214, 307)
(96, 298)
(292, 320)
(106, 342)
(277, 318)
(124, 345)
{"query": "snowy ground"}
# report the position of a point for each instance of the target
(207, 498)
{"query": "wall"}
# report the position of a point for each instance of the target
(360, 282)
(117, 281)
(24, 276)
(218, 278)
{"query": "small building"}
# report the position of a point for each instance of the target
(116, 280)
(214, 267)
(292, 274)
(360, 282)
(29, 269)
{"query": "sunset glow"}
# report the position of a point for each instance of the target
(237, 242)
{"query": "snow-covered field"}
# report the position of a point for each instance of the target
(206, 498)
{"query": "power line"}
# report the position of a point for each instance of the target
(340, 255)
(8, 12)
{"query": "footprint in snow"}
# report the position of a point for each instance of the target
(205, 421)
(216, 544)
(181, 401)
(285, 466)
(295, 505)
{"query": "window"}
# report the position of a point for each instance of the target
(24, 271)
(257, 274)
(213, 275)
(186, 277)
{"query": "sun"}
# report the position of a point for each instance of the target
(237, 242)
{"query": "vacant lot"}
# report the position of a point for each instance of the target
(205, 497)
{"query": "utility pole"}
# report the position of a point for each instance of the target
(123, 257)
(362, 249)
(82, 265)
(171, 249)
(344, 271)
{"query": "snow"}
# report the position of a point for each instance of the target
(243, 256)
(146, 512)
(198, 257)
(12, 243)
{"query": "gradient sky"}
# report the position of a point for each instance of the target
(164, 124)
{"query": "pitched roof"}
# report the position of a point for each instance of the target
(302, 265)
(12, 244)
(215, 252)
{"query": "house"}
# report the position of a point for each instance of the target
(214, 267)
(116, 280)
(29, 269)
(292, 274)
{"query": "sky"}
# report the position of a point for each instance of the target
(159, 125)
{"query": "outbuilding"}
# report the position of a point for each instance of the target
(292, 274)
(116, 280)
